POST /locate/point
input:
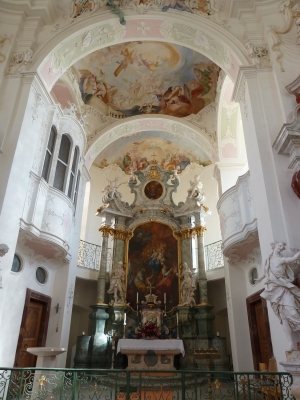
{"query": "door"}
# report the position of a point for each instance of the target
(261, 343)
(33, 329)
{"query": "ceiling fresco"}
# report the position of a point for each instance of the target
(147, 78)
(139, 150)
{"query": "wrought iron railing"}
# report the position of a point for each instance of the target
(89, 255)
(213, 256)
(69, 384)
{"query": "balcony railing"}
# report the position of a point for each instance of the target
(89, 256)
(213, 256)
(70, 384)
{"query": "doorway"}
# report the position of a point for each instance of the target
(259, 328)
(34, 327)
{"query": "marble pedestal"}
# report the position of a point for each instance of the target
(292, 366)
(46, 356)
(150, 354)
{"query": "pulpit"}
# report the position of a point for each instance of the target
(150, 354)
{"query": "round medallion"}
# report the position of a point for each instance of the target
(153, 190)
(150, 358)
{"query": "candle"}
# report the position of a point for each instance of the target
(83, 333)
(137, 297)
(165, 298)
(218, 334)
(177, 319)
(124, 318)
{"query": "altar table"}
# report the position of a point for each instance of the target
(151, 354)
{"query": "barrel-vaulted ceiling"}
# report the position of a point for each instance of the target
(141, 78)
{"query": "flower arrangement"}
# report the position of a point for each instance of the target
(149, 330)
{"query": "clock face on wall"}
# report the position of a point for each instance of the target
(153, 190)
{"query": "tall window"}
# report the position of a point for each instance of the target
(73, 174)
(49, 154)
(62, 163)
(76, 190)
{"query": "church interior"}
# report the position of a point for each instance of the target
(150, 191)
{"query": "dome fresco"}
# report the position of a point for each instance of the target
(138, 78)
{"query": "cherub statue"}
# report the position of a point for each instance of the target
(110, 190)
(195, 191)
(3, 250)
(187, 286)
(132, 177)
(117, 283)
(280, 290)
(175, 174)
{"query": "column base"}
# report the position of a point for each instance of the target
(204, 319)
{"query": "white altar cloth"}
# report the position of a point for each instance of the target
(155, 344)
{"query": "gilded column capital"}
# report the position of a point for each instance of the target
(199, 230)
(106, 230)
(185, 233)
(188, 233)
(121, 234)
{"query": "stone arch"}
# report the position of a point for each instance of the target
(96, 32)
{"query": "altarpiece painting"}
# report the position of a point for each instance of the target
(153, 259)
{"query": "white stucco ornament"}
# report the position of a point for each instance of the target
(281, 292)
(3, 250)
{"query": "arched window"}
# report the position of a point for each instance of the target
(49, 154)
(62, 163)
(76, 190)
(73, 174)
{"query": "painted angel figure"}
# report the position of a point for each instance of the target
(117, 283)
(280, 290)
(187, 286)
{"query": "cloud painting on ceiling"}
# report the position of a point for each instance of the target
(138, 151)
(147, 78)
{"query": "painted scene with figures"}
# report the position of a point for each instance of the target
(153, 259)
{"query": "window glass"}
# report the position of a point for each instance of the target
(64, 149)
(62, 163)
(253, 276)
(59, 178)
(76, 189)
(73, 173)
(16, 265)
(49, 154)
(41, 275)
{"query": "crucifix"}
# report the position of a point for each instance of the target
(153, 160)
(150, 287)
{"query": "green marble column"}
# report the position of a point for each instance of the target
(204, 316)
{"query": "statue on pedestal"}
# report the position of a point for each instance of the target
(280, 291)
(195, 191)
(110, 191)
(117, 283)
(187, 286)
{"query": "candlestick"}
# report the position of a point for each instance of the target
(177, 319)
(137, 297)
(165, 298)
(124, 318)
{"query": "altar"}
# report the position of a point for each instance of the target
(150, 354)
